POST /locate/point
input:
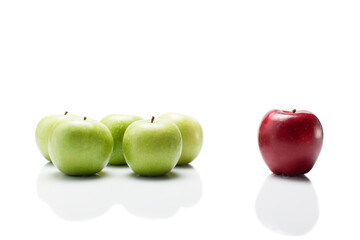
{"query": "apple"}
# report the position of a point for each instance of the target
(43, 130)
(192, 135)
(80, 146)
(152, 147)
(290, 141)
(117, 125)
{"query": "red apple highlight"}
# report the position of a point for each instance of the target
(290, 141)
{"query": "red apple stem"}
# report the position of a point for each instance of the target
(294, 111)
(85, 118)
(66, 112)
(152, 119)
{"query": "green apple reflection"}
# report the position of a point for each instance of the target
(160, 197)
(80, 198)
(73, 198)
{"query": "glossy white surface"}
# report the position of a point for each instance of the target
(287, 205)
(226, 63)
(80, 198)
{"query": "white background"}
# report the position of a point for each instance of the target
(226, 63)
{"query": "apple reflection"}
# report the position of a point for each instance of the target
(73, 198)
(159, 197)
(288, 205)
(79, 198)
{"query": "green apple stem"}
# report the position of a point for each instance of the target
(66, 112)
(152, 119)
(294, 110)
(84, 118)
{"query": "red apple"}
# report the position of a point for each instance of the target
(290, 141)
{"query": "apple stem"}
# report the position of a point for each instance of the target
(294, 110)
(84, 118)
(152, 119)
(66, 112)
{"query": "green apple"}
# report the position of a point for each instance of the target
(152, 148)
(43, 130)
(192, 135)
(117, 124)
(80, 146)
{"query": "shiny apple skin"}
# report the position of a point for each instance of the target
(80, 147)
(290, 142)
(191, 133)
(152, 148)
(117, 124)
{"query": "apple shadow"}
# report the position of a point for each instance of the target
(117, 166)
(80, 198)
(159, 197)
(72, 197)
(166, 177)
(287, 205)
